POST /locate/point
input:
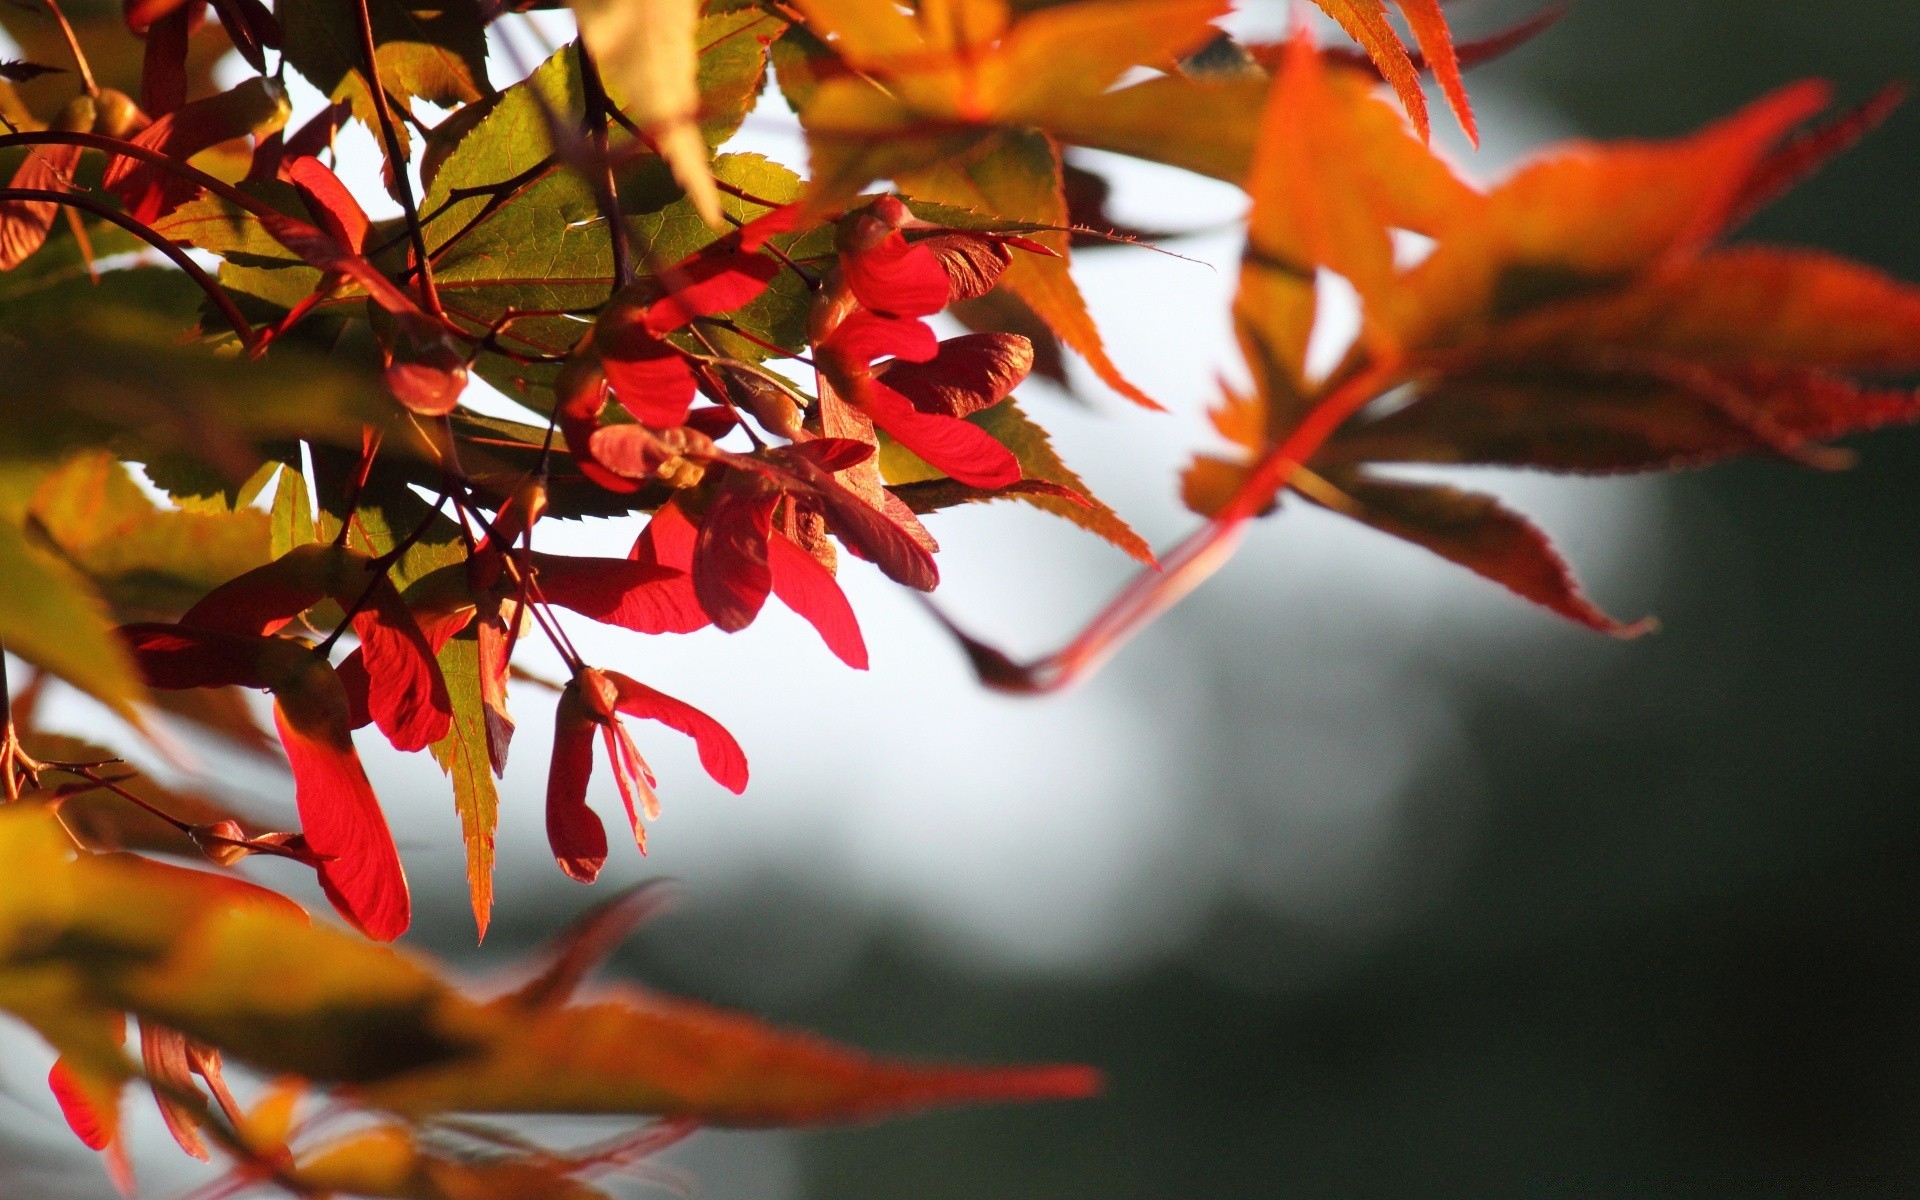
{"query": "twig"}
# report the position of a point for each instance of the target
(605, 191)
(396, 161)
(179, 257)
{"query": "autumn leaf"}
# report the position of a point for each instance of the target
(1575, 317)
(265, 987)
(647, 53)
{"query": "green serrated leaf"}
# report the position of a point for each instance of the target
(733, 67)
(386, 512)
(433, 50)
(462, 754)
(221, 227)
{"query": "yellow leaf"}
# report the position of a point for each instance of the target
(646, 51)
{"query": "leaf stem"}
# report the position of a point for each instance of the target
(73, 47)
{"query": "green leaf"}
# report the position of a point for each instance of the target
(118, 380)
(462, 754)
(433, 50)
(52, 619)
(925, 489)
(292, 513)
(160, 293)
(218, 226)
(149, 564)
(733, 67)
(386, 512)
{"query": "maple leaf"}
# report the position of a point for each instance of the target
(1575, 317)
(1366, 22)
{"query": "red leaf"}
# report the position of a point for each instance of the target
(809, 589)
(835, 454)
(407, 696)
(331, 204)
(339, 814)
(199, 125)
(141, 14)
(896, 279)
(24, 224)
(263, 600)
(620, 591)
(1480, 534)
(730, 573)
(587, 941)
(95, 1125)
(649, 377)
(867, 531)
(163, 1053)
(864, 337)
(719, 753)
(962, 449)
(1801, 156)
(252, 29)
(973, 263)
(755, 233)
(1429, 26)
(425, 388)
(971, 372)
(574, 832)
(667, 541)
(163, 70)
(579, 393)
(180, 656)
(709, 283)
(632, 776)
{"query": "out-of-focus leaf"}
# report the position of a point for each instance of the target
(243, 971)
(149, 564)
(1475, 531)
(650, 63)
(52, 619)
(116, 381)
(947, 82)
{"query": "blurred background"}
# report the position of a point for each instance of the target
(1356, 876)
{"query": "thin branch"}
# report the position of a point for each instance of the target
(179, 257)
(396, 161)
(1190, 564)
(605, 192)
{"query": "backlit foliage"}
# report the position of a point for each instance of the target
(744, 357)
